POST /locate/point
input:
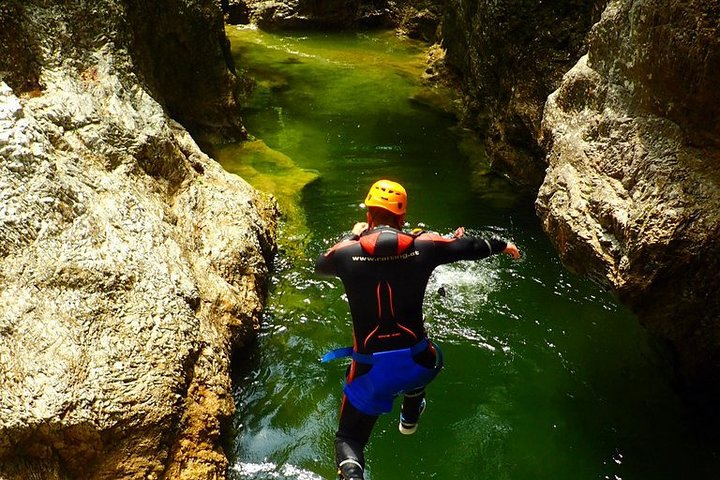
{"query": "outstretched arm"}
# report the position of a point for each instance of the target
(510, 248)
(462, 247)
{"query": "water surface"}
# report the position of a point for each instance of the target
(546, 375)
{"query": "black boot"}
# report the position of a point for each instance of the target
(413, 406)
(349, 459)
(350, 469)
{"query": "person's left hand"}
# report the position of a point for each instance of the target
(359, 228)
(512, 250)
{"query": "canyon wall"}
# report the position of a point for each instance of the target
(508, 57)
(307, 14)
(178, 50)
(612, 110)
(632, 192)
(131, 264)
(418, 19)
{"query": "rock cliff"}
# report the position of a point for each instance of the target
(416, 18)
(130, 262)
(299, 14)
(509, 56)
(623, 144)
(632, 192)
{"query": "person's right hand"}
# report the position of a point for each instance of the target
(512, 250)
(359, 228)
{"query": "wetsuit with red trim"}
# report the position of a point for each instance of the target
(385, 273)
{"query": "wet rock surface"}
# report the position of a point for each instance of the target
(632, 193)
(509, 56)
(130, 263)
(305, 14)
(419, 19)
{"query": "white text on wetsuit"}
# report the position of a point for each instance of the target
(414, 253)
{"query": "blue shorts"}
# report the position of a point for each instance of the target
(393, 372)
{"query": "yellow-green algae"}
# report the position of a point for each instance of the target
(274, 172)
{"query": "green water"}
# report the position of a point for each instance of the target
(546, 375)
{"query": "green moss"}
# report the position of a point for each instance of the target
(273, 172)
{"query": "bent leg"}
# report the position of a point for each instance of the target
(414, 400)
(412, 406)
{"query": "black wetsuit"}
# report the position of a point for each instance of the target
(385, 272)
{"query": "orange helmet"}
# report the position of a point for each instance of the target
(388, 195)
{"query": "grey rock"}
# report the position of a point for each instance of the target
(419, 19)
(632, 192)
(130, 262)
(509, 55)
(305, 14)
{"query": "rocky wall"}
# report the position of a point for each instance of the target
(130, 262)
(509, 55)
(308, 14)
(182, 54)
(419, 19)
(632, 192)
(178, 50)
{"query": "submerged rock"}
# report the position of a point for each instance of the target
(130, 262)
(632, 193)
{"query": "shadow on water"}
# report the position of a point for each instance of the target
(546, 375)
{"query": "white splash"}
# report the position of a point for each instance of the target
(269, 470)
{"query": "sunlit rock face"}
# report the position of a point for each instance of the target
(178, 50)
(509, 56)
(130, 262)
(632, 193)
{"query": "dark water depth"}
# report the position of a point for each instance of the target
(546, 376)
